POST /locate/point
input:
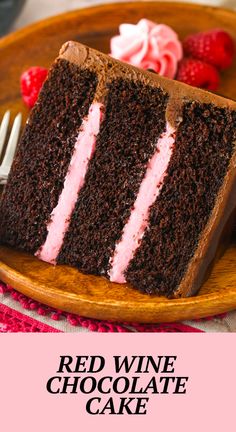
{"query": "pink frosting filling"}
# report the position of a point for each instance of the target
(60, 216)
(148, 192)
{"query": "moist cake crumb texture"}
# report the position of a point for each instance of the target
(45, 151)
(204, 144)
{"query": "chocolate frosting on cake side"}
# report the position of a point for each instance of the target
(220, 220)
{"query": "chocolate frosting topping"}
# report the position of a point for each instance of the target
(109, 68)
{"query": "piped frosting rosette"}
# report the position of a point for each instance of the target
(148, 45)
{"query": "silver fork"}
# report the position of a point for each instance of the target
(11, 145)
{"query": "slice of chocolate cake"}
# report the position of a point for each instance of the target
(124, 174)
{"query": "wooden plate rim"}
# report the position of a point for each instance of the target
(188, 308)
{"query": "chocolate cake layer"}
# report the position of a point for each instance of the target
(45, 151)
(133, 121)
(205, 142)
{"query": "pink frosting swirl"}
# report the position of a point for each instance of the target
(149, 46)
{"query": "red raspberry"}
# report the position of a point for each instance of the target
(31, 82)
(198, 74)
(215, 47)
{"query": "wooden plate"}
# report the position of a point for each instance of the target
(63, 287)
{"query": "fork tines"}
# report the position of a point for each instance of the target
(11, 144)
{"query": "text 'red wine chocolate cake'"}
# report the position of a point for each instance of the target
(124, 174)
